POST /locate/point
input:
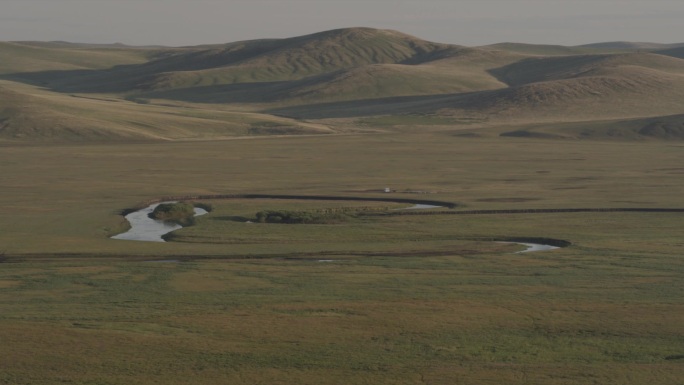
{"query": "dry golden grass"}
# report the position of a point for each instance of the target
(69, 196)
(35, 115)
(398, 299)
(204, 92)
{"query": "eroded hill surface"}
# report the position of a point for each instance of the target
(64, 91)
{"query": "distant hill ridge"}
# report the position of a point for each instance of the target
(343, 73)
(289, 59)
(631, 45)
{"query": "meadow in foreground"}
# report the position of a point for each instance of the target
(410, 300)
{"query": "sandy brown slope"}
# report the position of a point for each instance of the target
(27, 116)
(30, 114)
(604, 92)
(33, 57)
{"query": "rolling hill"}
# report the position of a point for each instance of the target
(343, 64)
(677, 52)
(66, 91)
(31, 57)
(557, 68)
(35, 115)
(259, 61)
(539, 49)
(659, 128)
(628, 45)
(575, 88)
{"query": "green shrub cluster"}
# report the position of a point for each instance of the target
(180, 212)
(298, 217)
(352, 210)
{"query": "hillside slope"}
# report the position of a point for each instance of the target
(627, 91)
(669, 127)
(557, 68)
(261, 61)
(624, 92)
(629, 45)
(122, 93)
(677, 52)
(33, 115)
(541, 49)
(31, 57)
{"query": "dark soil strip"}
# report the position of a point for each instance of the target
(532, 211)
(450, 205)
(306, 256)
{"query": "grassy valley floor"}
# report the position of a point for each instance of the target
(400, 300)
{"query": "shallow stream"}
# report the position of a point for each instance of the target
(143, 228)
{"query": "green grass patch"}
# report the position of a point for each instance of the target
(389, 299)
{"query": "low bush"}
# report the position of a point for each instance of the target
(180, 212)
(300, 217)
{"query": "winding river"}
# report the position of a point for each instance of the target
(143, 228)
(532, 247)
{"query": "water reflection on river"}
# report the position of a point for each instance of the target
(532, 247)
(144, 228)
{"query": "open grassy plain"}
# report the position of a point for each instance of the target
(405, 299)
(87, 132)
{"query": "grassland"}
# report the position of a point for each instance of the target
(404, 299)
(420, 299)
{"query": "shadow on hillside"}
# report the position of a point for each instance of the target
(261, 92)
(116, 79)
(125, 78)
(128, 79)
(419, 104)
(309, 107)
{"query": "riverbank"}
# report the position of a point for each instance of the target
(145, 228)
